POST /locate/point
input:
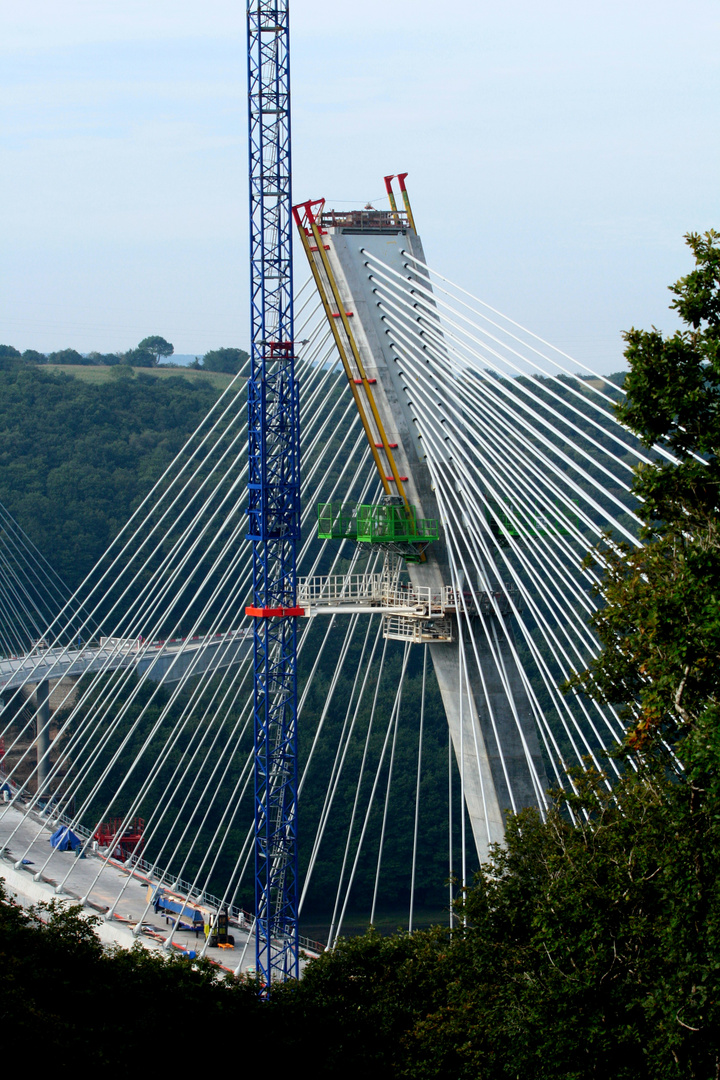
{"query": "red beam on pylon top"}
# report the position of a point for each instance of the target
(400, 177)
(306, 216)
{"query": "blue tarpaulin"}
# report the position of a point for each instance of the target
(64, 839)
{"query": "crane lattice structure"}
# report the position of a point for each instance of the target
(274, 491)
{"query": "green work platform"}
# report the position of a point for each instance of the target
(389, 525)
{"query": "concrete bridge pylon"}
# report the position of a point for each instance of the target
(490, 718)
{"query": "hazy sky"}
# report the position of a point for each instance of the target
(557, 154)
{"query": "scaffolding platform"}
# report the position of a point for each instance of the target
(397, 528)
(417, 631)
(373, 593)
(410, 612)
(415, 613)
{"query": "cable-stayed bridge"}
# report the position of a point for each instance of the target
(160, 661)
(455, 471)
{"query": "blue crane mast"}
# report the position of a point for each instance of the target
(274, 492)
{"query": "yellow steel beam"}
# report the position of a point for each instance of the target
(327, 307)
(361, 371)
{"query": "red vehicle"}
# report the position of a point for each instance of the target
(125, 841)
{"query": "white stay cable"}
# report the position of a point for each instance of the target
(416, 823)
(343, 746)
(477, 393)
(430, 303)
(547, 678)
(388, 786)
(358, 786)
(444, 494)
(391, 724)
(498, 387)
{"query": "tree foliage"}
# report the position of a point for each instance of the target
(227, 360)
(148, 353)
(69, 1003)
(157, 347)
(77, 457)
(591, 950)
(660, 623)
(67, 356)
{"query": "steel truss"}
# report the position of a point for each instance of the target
(274, 492)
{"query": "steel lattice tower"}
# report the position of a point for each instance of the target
(274, 492)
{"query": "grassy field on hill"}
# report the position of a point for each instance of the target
(97, 374)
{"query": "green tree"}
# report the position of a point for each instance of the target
(138, 358)
(68, 356)
(227, 360)
(71, 999)
(660, 623)
(106, 359)
(157, 346)
(32, 356)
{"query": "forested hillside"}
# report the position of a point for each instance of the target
(76, 458)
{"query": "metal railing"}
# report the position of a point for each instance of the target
(369, 220)
(417, 631)
(336, 588)
(375, 590)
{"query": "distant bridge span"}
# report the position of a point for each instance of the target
(161, 661)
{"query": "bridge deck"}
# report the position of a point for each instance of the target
(163, 660)
(103, 895)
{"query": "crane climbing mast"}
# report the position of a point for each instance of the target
(274, 492)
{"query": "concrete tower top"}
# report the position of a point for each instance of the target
(367, 220)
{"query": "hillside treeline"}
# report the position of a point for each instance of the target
(77, 458)
(153, 351)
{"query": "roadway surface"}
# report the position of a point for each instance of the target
(120, 897)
